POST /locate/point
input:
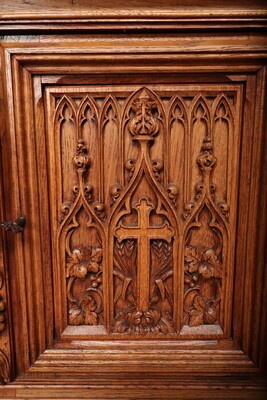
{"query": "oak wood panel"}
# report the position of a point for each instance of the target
(28, 157)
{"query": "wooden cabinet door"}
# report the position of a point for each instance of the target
(142, 256)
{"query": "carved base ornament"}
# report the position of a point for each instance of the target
(136, 228)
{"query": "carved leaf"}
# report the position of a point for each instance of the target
(161, 287)
(199, 303)
(89, 306)
(76, 315)
(196, 318)
(192, 257)
(91, 318)
(122, 289)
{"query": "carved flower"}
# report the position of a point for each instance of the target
(203, 261)
(204, 311)
(83, 261)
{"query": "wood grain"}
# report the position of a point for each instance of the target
(138, 161)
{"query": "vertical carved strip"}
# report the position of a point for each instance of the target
(87, 121)
(144, 234)
(222, 122)
(199, 129)
(205, 249)
(111, 147)
(80, 245)
(177, 145)
(66, 130)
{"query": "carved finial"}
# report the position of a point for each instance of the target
(80, 160)
(144, 123)
(206, 159)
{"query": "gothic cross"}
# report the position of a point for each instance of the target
(144, 232)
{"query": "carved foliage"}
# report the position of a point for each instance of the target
(138, 145)
(204, 248)
(156, 317)
(85, 264)
(143, 254)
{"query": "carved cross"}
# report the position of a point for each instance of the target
(144, 232)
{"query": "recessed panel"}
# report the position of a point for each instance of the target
(144, 210)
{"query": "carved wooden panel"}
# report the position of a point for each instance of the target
(143, 206)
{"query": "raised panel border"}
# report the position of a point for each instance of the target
(22, 68)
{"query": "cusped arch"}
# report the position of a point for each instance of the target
(87, 103)
(174, 102)
(200, 106)
(222, 101)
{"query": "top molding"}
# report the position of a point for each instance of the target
(107, 15)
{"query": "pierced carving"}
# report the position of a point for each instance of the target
(85, 264)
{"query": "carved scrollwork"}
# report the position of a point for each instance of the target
(99, 209)
(130, 166)
(173, 193)
(157, 166)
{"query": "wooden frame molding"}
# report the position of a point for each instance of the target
(33, 351)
